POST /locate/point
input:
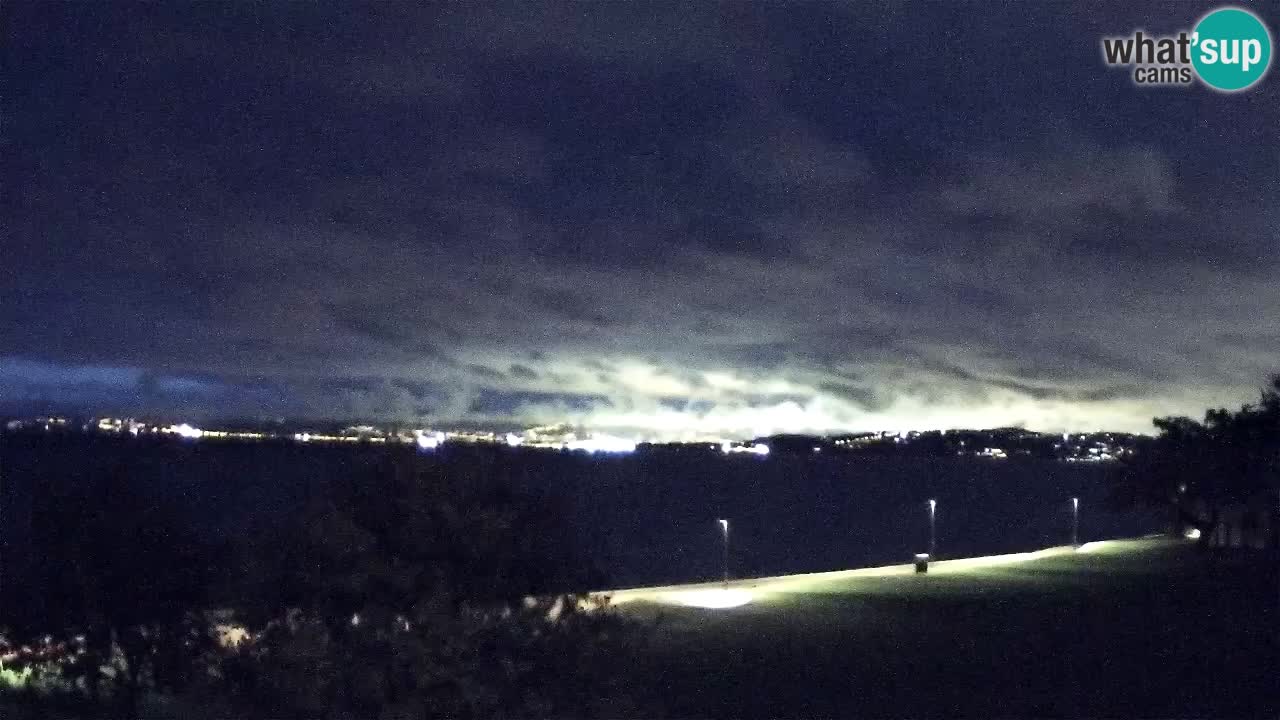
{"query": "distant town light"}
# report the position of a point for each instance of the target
(186, 431)
(602, 443)
(428, 442)
(757, 449)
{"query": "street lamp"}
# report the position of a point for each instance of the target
(1075, 522)
(724, 527)
(933, 527)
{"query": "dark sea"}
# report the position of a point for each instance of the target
(635, 519)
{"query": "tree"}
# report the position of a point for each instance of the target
(411, 591)
(121, 588)
(1229, 457)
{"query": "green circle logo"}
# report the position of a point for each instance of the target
(1231, 49)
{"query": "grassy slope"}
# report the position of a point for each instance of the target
(1142, 628)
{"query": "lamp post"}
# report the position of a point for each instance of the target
(933, 527)
(1075, 522)
(724, 527)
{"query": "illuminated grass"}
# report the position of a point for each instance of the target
(1118, 628)
(975, 570)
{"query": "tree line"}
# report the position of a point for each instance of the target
(1217, 477)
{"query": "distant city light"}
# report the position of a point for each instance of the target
(561, 436)
(756, 449)
(603, 444)
(186, 431)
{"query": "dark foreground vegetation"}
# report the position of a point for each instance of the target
(1219, 477)
(398, 591)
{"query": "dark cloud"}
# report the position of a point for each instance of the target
(371, 323)
(522, 372)
(506, 404)
(485, 373)
(673, 218)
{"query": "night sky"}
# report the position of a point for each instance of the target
(664, 219)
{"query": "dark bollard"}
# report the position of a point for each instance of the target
(922, 563)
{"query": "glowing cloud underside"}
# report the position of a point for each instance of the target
(741, 406)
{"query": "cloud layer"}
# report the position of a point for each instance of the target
(675, 220)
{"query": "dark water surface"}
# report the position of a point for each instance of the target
(638, 519)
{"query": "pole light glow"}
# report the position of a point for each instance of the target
(724, 526)
(1075, 522)
(933, 527)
